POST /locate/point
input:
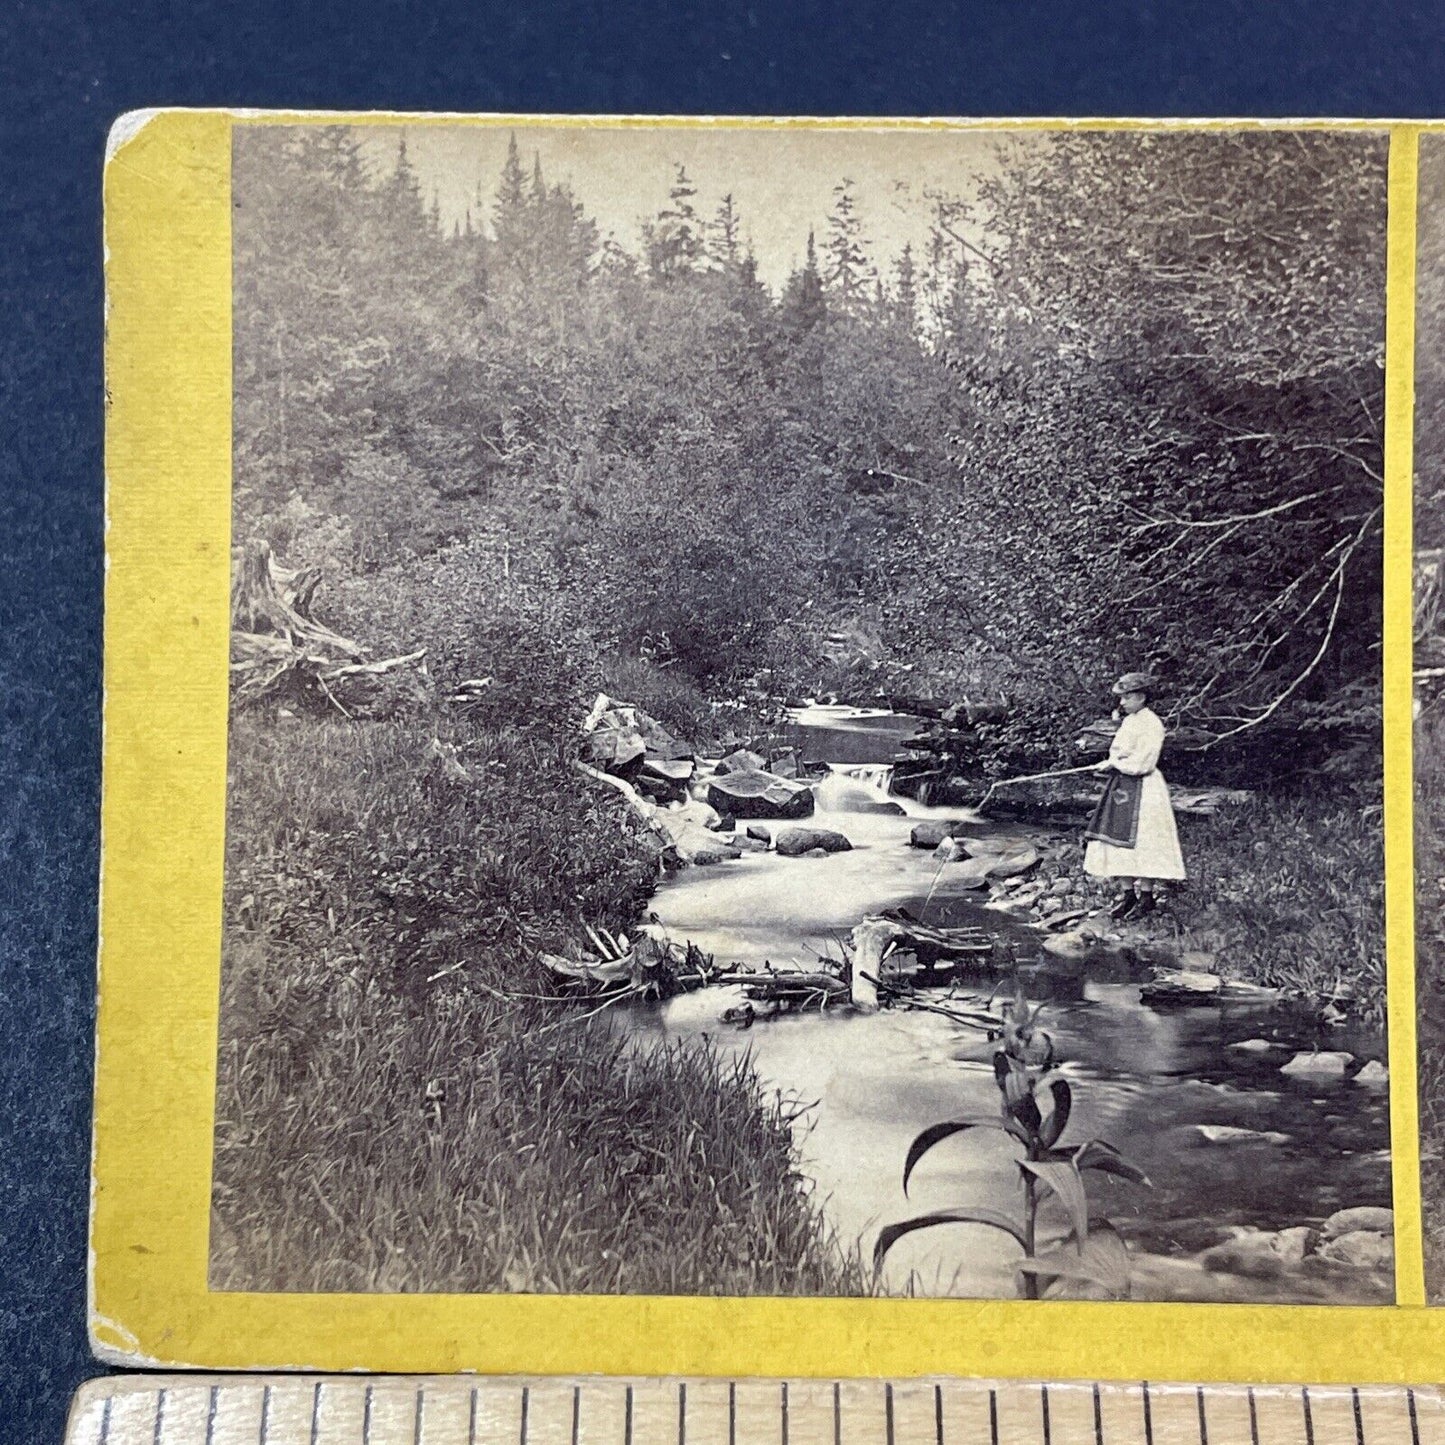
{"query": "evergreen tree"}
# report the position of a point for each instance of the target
(724, 248)
(674, 242)
(847, 269)
(905, 289)
(803, 306)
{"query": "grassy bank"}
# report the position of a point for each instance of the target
(1430, 982)
(387, 1120)
(1289, 891)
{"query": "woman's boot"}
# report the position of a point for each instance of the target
(1125, 906)
(1146, 904)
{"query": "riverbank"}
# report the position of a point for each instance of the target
(395, 1113)
(389, 885)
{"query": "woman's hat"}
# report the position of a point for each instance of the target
(1134, 682)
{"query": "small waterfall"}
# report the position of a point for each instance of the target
(878, 776)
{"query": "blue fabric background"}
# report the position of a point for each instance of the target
(67, 69)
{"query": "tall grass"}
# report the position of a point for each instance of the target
(1289, 891)
(393, 1111)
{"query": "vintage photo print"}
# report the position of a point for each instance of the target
(1429, 665)
(805, 712)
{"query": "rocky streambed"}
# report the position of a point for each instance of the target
(1266, 1139)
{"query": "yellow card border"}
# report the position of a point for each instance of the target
(168, 461)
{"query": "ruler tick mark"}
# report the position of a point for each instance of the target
(1098, 1418)
(416, 1423)
(1149, 1416)
(837, 1413)
(576, 1413)
(315, 1413)
(472, 1420)
(1044, 1412)
(265, 1415)
(526, 1399)
(1203, 1422)
(1359, 1418)
(1253, 1418)
(887, 1413)
(1309, 1415)
(1414, 1422)
(160, 1417)
(682, 1411)
(105, 1419)
(732, 1413)
(993, 1416)
(627, 1422)
(366, 1416)
(938, 1413)
(785, 1412)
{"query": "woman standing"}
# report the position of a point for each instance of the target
(1132, 834)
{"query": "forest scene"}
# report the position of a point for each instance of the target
(684, 587)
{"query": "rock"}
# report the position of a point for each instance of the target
(786, 764)
(801, 842)
(949, 851)
(879, 808)
(619, 736)
(759, 834)
(747, 844)
(1369, 1217)
(741, 761)
(931, 833)
(696, 812)
(993, 846)
(1230, 1134)
(1373, 1074)
(759, 795)
(1177, 985)
(1320, 1063)
(1050, 903)
(1362, 1249)
(1013, 861)
(1252, 1046)
(1069, 944)
(1259, 1254)
(1061, 887)
(1068, 916)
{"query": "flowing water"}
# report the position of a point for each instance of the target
(1142, 1078)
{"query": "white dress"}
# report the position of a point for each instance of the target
(1155, 854)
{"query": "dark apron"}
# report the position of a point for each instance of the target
(1116, 818)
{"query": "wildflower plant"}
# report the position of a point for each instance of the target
(1090, 1259)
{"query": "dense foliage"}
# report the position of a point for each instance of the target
(1124, 410)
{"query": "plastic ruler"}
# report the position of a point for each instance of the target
(460, 1410)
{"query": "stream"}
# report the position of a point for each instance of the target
(1142, 1078)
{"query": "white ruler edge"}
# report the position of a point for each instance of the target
(192, 1409)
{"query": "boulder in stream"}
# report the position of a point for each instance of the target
(1363, 1216)
(933, 831)
(1232, 1134)
(1374, 1074)
(742, 760)
(1320, 1063)
(800, 842)
(1260, 1254)
(1361, 1249)
(755, 794)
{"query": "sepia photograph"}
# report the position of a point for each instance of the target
(805, 712)
(1429, 665)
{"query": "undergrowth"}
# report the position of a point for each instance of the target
(1289, 892)
(395, 1113)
